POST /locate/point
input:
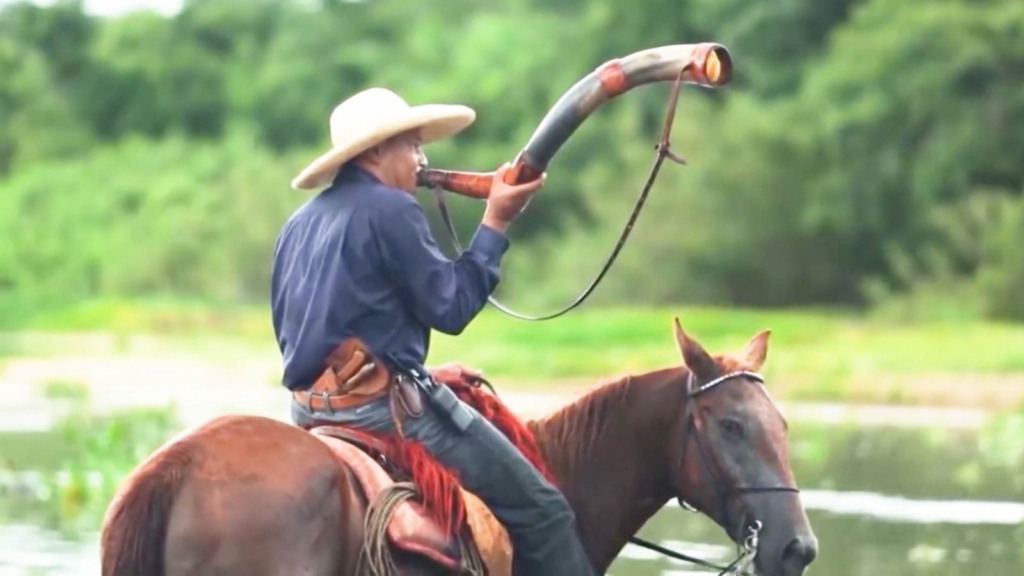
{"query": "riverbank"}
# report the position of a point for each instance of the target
(214, 358)
(37, 391)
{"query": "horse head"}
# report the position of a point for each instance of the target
(730, 459)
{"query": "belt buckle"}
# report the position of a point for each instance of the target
(327, 401)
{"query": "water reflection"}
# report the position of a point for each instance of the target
(852, 544)
(27, 550)
(882, 501)
(900, 509)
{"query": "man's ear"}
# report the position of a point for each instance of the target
(372, 156)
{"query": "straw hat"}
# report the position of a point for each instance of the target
(371, 117)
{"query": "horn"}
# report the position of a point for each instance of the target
(705, 64)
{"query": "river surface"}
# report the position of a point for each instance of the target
(936, 501)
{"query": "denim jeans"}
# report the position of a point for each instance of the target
(540, 523)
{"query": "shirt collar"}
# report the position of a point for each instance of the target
(351, 173)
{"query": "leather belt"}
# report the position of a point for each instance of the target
(318, 396)
(352, 376)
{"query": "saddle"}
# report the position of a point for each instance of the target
(411, 528)
(353, 376)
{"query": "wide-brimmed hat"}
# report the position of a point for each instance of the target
(372, 116)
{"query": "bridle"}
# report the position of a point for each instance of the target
(744, 561)
(691, 429)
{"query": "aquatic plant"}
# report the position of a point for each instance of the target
(102, 449)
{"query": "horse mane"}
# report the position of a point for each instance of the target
(583, 418)
(586, 420)
(140, 513)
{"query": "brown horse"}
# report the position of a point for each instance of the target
(251, 495)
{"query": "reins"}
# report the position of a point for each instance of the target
(741, 566)
(662, 151)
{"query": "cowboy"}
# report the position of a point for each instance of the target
(358, 283)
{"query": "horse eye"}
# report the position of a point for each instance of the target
(731, 427)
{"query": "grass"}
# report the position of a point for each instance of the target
(599, 342)
(65, 390)
(821, 354)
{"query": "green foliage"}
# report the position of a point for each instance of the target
(147, 156)
(972, 252)
(144, 217)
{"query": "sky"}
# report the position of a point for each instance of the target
(117, 7)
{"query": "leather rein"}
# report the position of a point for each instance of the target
(662, 151)
(749, 546)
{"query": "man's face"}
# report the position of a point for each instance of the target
(401, 156)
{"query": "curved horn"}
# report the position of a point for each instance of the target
(706, 64)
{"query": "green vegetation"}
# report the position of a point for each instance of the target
(867, 154)
(857, 189)
(607, 340)
(76, 392)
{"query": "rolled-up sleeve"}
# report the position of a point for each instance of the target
(445, 294)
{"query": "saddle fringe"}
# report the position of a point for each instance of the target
(438, 485)
(495, 411)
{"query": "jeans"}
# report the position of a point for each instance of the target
(540, 523)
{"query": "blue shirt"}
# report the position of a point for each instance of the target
(359, 259)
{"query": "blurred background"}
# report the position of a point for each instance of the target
(857, 189)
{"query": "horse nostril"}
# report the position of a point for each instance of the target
(803, 550)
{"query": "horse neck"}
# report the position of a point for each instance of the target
(609, 451)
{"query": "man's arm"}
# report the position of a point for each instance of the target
(445, 294)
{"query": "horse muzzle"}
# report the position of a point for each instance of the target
(786, 552)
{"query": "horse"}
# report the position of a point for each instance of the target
(245, 494)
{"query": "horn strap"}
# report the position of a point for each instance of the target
(706, 64)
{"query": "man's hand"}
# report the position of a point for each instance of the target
(505, 201)
(454, 373)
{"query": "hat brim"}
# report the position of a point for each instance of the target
(434, 121)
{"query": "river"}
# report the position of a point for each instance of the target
(883, 500)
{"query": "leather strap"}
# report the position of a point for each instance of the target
(662, 151)
(351, 435)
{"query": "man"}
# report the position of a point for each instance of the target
(357, 275)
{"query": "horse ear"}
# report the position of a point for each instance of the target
(696, 358)
(757, 350)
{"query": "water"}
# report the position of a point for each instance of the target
(882, 501)
(866, 534)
